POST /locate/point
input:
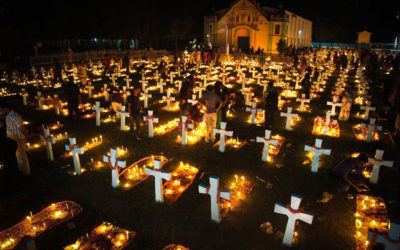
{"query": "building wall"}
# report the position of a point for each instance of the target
(299, 31)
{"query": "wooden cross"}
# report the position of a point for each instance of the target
(215, 194)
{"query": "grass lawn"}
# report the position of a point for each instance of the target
(187, 222)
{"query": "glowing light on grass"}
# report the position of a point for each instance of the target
(166, 128)
(240, 188)
(195, 135)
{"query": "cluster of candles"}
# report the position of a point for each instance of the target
(121, 151)
(371, 214)
(173, 108)
(137, 171)
(109, 119)
(59, 137)
(361, 133)
(55, 126)
(288, 93)
(105, 236)
(94, 142)
(320, 128)
(166, 128)
(273, 150)
(240, 188)
(34, 225)
(4, 92)
(260, 118)
(181, 179)
(195, 134)
(234, 143)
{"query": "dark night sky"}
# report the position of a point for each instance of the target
(152, 20)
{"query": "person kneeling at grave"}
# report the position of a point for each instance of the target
(348, 171)
(271, 101)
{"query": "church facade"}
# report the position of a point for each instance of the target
(246, 24)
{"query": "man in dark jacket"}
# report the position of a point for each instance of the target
(134, 108)
(271, 100)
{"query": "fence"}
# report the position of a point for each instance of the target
(93, 55)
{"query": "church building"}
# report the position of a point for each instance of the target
(246, 24)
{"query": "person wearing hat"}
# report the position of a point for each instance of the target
(347, 170)
(271, 104)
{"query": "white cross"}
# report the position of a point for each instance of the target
(90, 88)
(297, 82)
(123, 115)
(49, 139)
(183, 129)
(259, 77)
(193, 101)
(105, 90)
(144, 83)
(334, 104)
(200, 89)
(264, 84)
(125, 94)
(222, 131)
(150, 119)
(98, 110)
(253, 111)
(33, 71)
(169, 99)
(267, 142)
(372, 129)
(179, 83)
(112, 78)
(367, 109)
(247, 95)
(389, 239)
(57, 104)
(378, 162)
(327, 122)
(253, 71)
(115, 164)
(289, 116)
(293, 213)
(224, 75)
(302, 100)
(243, 77)
(127, 81)
(76, 151)
(24, 97)
(317, 149)
(215, 194)
(171, 77)
(161, 84)
(146, 97)
(158, 177)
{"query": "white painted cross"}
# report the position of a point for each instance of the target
(115, 165)
(327, 122)
(193, 101)
(253, 111)
(222, 131)
(144, 83)
(317, 149)
(378, 161)
(253, 71)
(171, 77)
(146, 97)
(178, 84)
(372, 129)
(33, 71)
(289, 116)
(76, 151)
(391, 239)
(128, 81)
(215, 194)
(24, 97)
(183, 126)
(49, 139)
(294, 213)
(90, 88)
(105, 91)
(247, 95)
(367, 109)
(98, 112)
(150, 119)
(169, 99)
(158, 178)
(123, 114)
(161, 85)
(264, 84)
(267, 142)
(200, 89)
(259, 77)
(224, 75)
(112, 78)
(302, 100)
(125, 94)
(334, 104)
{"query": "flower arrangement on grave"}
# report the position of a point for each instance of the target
(135, 173)
(371, 214)
(166, 127)
(105, 236)
(182, 177)
(240, 188)
(35, 224)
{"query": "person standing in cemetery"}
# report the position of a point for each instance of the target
(134, 109)
(73, 95)
(270, 99)
(347, 101)
(213, 103)
(8, 149)
(185, 93)
(223, 93)
(17, 132)
(82, 72)
(57, 72)
(195, 114)
(306, 84)
(344, 174)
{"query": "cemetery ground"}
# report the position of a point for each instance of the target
(187, 222)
